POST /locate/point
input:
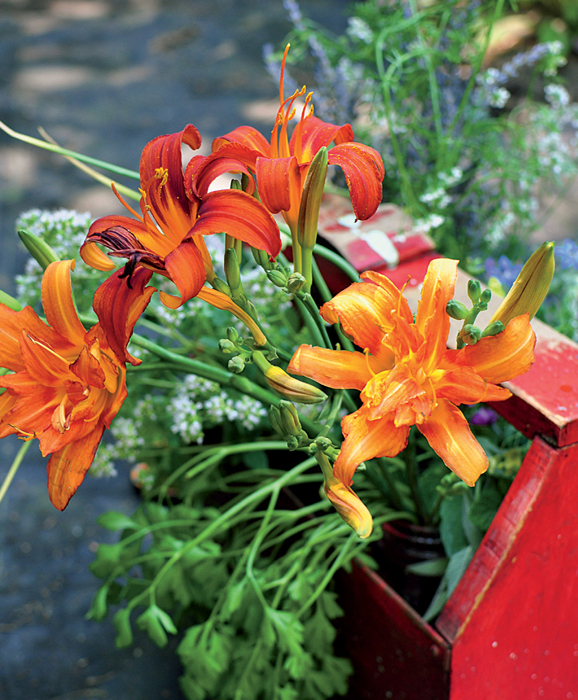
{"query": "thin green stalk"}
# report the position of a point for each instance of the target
(14, 468)
(313, 310)
(326, 295)
(396, 498)
(65, 152)
(338, 261)
(411, 475)
(311, 323)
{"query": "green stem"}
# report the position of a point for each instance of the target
(411, 475)
(338, 261)
(14, 468)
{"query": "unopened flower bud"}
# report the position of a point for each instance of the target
(296, 282)
(232, 334)
(226, 346)
(530, 287)
(474, 290)
(221, 286)
(38, 249)
(278, 278)
(262, 259)
(233, 273)
(311, 200)
(286, 385)
(493, 329)
(275, 420)
(290, 418)
(486, 296)
(455, 309)
(236, 364)
(470, 334)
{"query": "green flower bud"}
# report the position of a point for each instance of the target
(236, 364)
(474, 290)
(226, 346)
(311, 200)
(455, 309)
(290, 418)
(38, 249)
(278, 278)
(296, 282)
(493, 329)
(233, 273)
(275, 420)
(470, 334)
(485, 296)
(232, 334)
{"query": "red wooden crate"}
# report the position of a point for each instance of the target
(510, 629)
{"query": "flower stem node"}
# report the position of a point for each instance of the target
(470, 334)
(457, 310)
(236, 364)
(296, 282)
(38, 249)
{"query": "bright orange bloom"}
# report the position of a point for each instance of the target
(67, 384)
(281, 166)
(407, 375)
(167, 237)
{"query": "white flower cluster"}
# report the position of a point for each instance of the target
(202, 403)
(431, 222)
(358, 28)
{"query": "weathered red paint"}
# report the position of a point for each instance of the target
(510, 629)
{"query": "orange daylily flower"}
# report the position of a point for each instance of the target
(407, 375)
(281, 166)
(67, 383)
(167, 236)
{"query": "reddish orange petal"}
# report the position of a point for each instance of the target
(67, 467)
(58, 304)
(245, 136)
(364, 173)
(33, 409)
(242, 217)
(186, 269)
(338, 369)
(388, 391)
(366, 439)
(449, 434)
(230, 158)
(504, 356)
(396, 298)
(43, 365)
(314, 134)
(279, 183)
(118, 307)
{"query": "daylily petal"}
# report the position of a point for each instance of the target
(338, 369)
(186, 269)
(432, 320)
(67, 467)
(230, 158)
(123, 235)
(279, 183)
(32, 412)
(397, 299)
(118, 307)
(364, 173)
(366, 439)
(449, 434)
(58, 303)
(245, 136)
(314, 134)
(242, 217)
(225, 303)
(43, 365)
(387, 391)
(504, 356)
(464, 385)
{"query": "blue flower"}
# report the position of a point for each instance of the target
(504, 270)
(567, 254)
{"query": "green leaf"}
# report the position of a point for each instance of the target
(299, 665)
(107, 559)
(117, 521)
(121, 622)
(288, 629)
(485, 506)
(457, 564)
(438, 601)
(430, 567)
(191, 688)
(451, 527)
(472, 532)
(151, 624)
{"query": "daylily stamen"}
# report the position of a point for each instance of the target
(366, 354)
(125, 203)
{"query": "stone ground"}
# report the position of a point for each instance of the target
(103, 78)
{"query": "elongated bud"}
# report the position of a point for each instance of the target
(275, 420)
(232, 334)
(233, 273)
(530, 287)
(290, 418)
(278, 278)
(311, 200)
(221, 286)
(261, 258)
(455, 309)
(493, 329)
(9, 301)
(38, 249)
(286, 385)
(236, 364)
(346, 502)
(470, 334)
(474, 290)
